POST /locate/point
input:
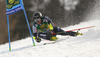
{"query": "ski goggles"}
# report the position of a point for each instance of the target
(37, 19)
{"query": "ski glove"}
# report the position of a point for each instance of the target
(38, 40)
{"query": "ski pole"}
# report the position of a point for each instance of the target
(81, 28)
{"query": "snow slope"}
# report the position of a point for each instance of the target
(87, 45)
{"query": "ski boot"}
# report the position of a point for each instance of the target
(78, 34)
(53, 38)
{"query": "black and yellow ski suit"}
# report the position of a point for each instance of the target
(44, 29)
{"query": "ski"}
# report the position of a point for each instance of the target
(50, 43)
(59, 40)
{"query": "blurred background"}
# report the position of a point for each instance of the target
(62, 12)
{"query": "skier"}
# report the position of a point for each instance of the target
(43, 27)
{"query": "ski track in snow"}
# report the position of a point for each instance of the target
(87, 45)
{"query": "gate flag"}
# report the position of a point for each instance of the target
(13, 6)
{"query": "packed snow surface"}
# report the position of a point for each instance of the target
(87, 45)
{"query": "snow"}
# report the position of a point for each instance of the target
(87, 45)
(69, 4)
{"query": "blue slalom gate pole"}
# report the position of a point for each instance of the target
(27, 21)
(8, 33)
(29, 27)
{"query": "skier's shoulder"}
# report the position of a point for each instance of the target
(46, 17)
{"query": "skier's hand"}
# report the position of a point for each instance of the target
(38, 39)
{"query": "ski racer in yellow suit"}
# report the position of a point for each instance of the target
(43, 28)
